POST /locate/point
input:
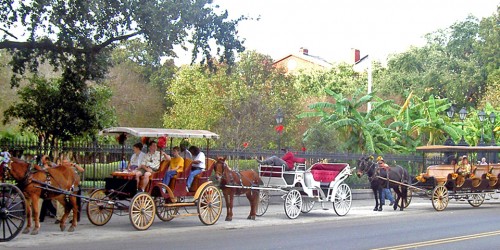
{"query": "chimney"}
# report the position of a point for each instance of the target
(304, 51)
(356, 55)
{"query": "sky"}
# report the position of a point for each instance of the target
(331, 28)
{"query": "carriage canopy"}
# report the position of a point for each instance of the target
(158, 132)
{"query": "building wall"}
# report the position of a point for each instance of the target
(293, 64)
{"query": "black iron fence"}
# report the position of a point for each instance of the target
(100, 160)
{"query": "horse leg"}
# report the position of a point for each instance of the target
(74, 207)
(36, 213)
(229, 216)
(380, 190)
(251, 199)
(62, 224)
(375, 194)
(225, 191)
(398, 197)
(28, 215)
(404, 196)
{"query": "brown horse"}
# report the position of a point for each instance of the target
(29, 180)
(245, 179)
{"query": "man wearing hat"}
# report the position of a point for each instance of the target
(386, 191)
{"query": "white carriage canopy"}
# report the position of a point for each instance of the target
(440, 148)
(159, 132)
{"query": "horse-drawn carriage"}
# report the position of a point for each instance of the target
(442, 182)
(120, 194)
(302, 187)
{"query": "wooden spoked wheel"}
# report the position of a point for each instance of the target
(142, 211)
(99, 210)
(293, 204)
(477, 199)
(263, 202)
(165, 213)
(12, 211)
(209, 205)
(342, 200)
(440, 198)
(307, 205)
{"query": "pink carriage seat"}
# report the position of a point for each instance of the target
(326, 172)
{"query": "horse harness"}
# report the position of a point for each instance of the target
(231, 178)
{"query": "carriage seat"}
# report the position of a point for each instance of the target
(439, 172)
(182, 176)
(326, 172)
(479, 171)
(494, 174)
(204, 175)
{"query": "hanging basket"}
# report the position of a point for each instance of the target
(121, 139)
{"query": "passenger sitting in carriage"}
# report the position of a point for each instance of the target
(176, 165)
(464, 167)
(150, 163)
(288, 159)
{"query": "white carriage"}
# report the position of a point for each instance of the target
(322, 182)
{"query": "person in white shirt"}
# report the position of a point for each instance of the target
(197, 165)
(137, 157)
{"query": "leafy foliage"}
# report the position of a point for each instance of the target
(53, 110)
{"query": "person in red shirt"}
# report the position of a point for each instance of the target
(288, 159)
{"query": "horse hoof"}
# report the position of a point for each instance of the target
(71, 229)
(396, 207)
(63, 228)
(229, 219)
(250, 217)
(375, 209)
(26, 230)
(34, 232)
(380, 209)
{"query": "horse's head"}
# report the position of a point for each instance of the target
(19, 169)
(220, 167)
(365, 164)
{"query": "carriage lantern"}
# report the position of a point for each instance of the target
(462, 114)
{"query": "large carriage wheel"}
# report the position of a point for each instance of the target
(209, 205)
(99, 210)
(12, 211)
(342, 200)
(165, 213)
(263, 202)
(293, 204)
(440, 198)
(307, 205)
(477, 199)
(142, 211)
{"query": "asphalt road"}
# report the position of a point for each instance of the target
(460, 226)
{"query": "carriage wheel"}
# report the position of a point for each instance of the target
(409, 195)
(142, 211)
(263, 202)
(293, 204)
(210, 205)
(12, 211)
(307, 205)
(343, 200)
(440, 198)
(477, 200)
(99, 210)
(165, 213)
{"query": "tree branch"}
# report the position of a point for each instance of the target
(8, 33)
(47, 45)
